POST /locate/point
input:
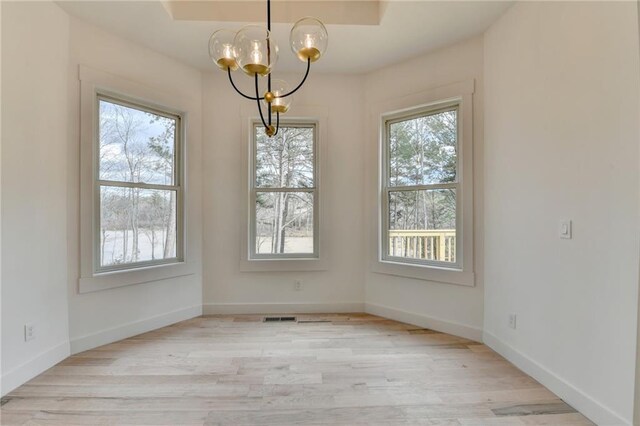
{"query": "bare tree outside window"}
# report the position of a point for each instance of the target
(138, 185)
(284, 190)
(421, 186)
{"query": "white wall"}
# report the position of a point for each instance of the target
(561, 141)
(561, 84)
(446, 307)
(1, 370)
(636, 409)
(35, 52)
(100, 317)
(340, 287)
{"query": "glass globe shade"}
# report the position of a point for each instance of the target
(221, 49)
(309, 39)
(280, 104)
(255, 51)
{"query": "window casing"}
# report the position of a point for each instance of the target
(138, 191)
(283, 191)
(421, 196)
(185, 263)
(460, 272)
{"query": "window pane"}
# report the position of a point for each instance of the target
(422, 224)
(285, 160)
(136, 145)
(422, 150)
(136, 225)
(284, 222)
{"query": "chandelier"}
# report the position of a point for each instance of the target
(253, 51)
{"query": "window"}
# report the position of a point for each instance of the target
(138, 186)
(421, 185)
(284, 193)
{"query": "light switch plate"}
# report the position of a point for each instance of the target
(564, 230)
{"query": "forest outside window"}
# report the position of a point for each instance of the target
(284, 193)
(138, 186)
(421, 188)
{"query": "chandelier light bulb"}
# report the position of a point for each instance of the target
(254, 50)
(279, 103)
(309, 39)
(221, 49)
(227, 51)
(256, 56)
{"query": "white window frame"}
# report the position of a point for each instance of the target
(249, 260)
(461, 272)
(102, 95)
(94, 85)
(386, 188)
(257, 126)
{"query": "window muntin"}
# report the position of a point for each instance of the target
(421, 188)
(139, 197)
(284, 193)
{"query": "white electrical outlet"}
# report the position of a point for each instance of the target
(29, 332)
(513, 318)
(297, 285)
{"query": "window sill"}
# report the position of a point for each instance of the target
(122, 278)
(425, 273)
(283, 265)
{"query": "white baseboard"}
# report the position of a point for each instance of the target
(90, 341)
(280, 308)
(444, 326)
(30, 369)
(573, 396)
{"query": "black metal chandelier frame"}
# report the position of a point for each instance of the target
(268, 123)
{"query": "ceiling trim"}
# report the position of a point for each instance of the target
(360, 12)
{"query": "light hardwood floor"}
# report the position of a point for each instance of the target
(341, 369)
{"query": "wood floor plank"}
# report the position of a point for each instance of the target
(338, 369)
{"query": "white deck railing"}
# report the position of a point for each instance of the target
(437, 244)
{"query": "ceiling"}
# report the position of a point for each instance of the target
(406, 29)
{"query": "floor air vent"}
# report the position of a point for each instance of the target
(279, 319)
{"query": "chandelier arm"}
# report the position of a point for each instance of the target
(258, 101)
(238, 90)
(277, 123)
(302, 82)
